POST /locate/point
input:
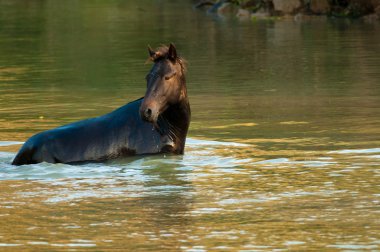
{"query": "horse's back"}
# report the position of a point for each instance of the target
(92, 139)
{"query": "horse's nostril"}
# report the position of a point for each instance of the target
(148, 113)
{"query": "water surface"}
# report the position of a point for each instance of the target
(283, 149)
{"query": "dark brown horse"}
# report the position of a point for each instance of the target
(156, 123)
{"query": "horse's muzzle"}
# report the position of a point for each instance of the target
(148, 114)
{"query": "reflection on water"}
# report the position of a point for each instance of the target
(210, 198)
(283, 149)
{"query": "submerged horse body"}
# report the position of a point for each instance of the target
(156, 123)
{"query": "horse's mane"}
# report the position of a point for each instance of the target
(161, 53)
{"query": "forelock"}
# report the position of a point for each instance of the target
(161, 53)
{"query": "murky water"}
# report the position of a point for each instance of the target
(283, 149)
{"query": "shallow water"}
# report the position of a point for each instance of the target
(283, 149)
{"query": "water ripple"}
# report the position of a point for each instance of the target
(200, 154)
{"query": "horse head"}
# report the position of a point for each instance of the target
(166, 85)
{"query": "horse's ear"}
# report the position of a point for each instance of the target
(151, 52)
(172, 53)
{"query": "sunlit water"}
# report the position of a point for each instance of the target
(283, 149)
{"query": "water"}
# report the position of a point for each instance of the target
(283, 149)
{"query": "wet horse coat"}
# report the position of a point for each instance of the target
(156, 123)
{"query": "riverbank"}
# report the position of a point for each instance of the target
(368, 10)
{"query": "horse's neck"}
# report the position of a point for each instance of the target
(178, 116)
(178, 120)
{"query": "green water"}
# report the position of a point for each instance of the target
(283, 151)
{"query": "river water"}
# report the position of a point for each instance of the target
(283, 151)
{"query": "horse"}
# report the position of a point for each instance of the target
(155, 123)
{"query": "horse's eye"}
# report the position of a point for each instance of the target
(171, 75)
